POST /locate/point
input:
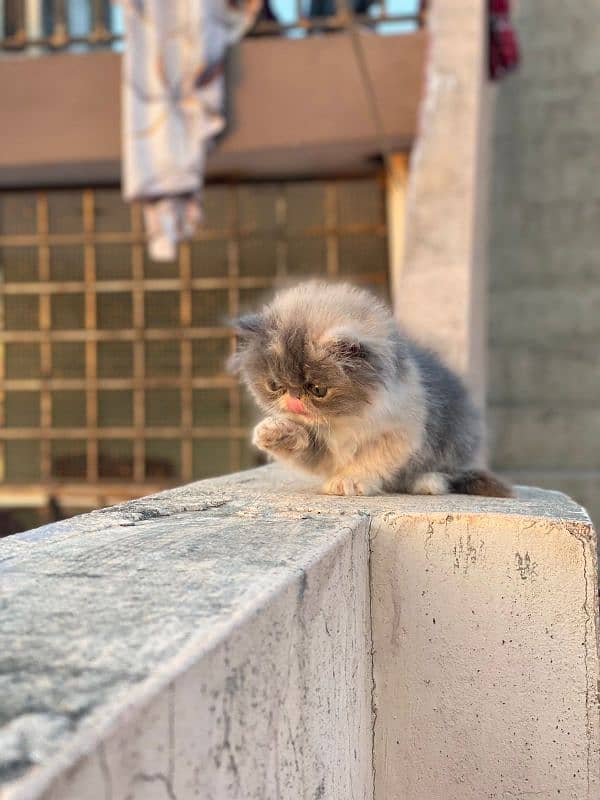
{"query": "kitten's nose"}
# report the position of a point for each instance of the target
(295, 405)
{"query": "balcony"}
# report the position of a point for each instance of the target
(304, 74)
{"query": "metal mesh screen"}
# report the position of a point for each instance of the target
(112, 366)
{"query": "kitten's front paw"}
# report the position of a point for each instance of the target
(350, 487)
(278, 434)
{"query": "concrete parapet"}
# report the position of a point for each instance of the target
(246, 637)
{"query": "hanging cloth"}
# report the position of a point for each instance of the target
(172, 107)
(503, 45)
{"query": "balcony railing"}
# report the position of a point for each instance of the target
(46, 25)
(38, 26)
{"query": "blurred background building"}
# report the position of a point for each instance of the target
(544, 337)
(112, 380)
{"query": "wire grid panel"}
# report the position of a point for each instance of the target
(112, 367)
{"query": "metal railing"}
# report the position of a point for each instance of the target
(46, 25)
(37, 26)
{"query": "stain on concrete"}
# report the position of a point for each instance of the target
(526, 566)
(468, 552)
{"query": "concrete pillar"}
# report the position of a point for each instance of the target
(439, 288)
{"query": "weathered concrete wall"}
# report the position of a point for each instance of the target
(545, 240)
(247, 637)
(195, 647)
(477, 620)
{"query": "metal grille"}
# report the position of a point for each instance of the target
(111, 365)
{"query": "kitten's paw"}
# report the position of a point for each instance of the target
(430, 483)
(350, 487)
(278, 434)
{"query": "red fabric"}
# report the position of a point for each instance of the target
(504, 53)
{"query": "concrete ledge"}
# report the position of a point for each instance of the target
(248, 638)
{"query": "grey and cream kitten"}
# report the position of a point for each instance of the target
(350, 398)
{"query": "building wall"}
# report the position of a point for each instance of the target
(545, 254)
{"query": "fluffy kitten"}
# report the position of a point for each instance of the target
(350, 398)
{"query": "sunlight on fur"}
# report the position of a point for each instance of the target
(349, 397)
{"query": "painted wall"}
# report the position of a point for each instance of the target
(295, 107)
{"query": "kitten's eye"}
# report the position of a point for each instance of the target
(273, 386)
(317, 391)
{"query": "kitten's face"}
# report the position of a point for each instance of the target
(316, 379)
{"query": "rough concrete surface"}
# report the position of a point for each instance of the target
(243, 637)
(544, 266)
(485, 628)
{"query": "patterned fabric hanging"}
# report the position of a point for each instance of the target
(504, 46)
(172, 106)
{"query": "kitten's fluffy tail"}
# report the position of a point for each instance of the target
(481, 482)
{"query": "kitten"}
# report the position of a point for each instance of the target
(350, 398)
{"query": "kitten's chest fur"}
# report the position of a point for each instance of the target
(385, 437)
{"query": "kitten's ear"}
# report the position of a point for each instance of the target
(349, 350)
(246, 328)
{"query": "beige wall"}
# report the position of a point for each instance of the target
(545, 254)
(295, 107)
